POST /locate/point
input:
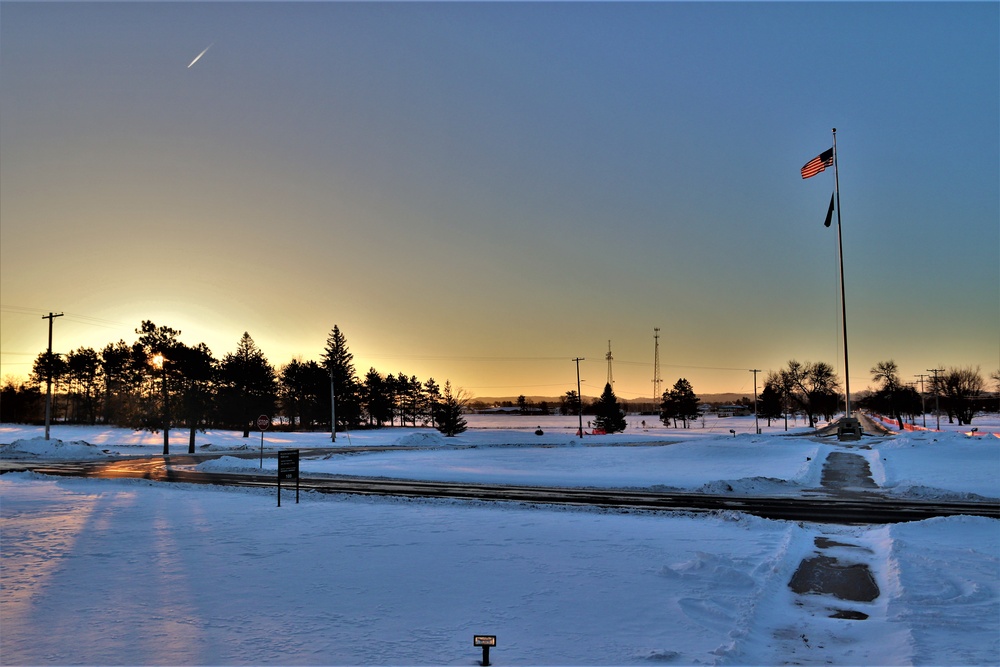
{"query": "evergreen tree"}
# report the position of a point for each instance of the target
(339, 363)
(449, 413)
(412, 394)
(290, 392)
(679, 403)
(194, 379)
(770, 404)
(376, 399)
(82, 367)
(432, 396)
(686, 401)
(20, 402)
(668, 409)
(248, 386)
(570, 404)
(119, 378)
(305, 394)
(608, 413)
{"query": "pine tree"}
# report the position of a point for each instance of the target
(376, 399)
(570, 403)
(609, 415)
(684, 401)
(771, 403)
(449, 412)
(195, 374)
(248, 385)
(432, 396)
(339, 363)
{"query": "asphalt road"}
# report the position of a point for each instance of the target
(838, 507)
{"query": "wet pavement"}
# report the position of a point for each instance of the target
(846, 576)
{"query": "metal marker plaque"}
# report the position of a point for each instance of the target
(288, 464)
(485, 642)
(288, 468)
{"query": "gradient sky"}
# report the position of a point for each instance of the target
(482, 191)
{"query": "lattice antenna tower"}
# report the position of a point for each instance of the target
(611, 375)
(656, 364)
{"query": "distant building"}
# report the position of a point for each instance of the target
(734, 411)
(506, 410)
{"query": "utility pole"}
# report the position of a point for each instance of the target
(923, 411)
(579, 396)
(937, 391)
(48, 375)
(611, 375)
(656, 368)
(756, 422)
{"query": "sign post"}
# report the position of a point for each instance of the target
(288, 468)
(485, 641)
(263, 423)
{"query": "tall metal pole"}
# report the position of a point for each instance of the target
(611, 375)
(656, 368)
(579, 396)
(756, 421)
(48, 375)
(843, 302)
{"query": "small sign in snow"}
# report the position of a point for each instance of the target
(485, 641)
(263, 422)
(288, 468)
(288, 464)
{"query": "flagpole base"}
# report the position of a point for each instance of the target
(849, 428)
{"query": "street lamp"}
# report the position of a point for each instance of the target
(160, 362)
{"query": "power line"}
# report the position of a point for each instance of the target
(83, 319)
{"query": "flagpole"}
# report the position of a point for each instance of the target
(843, 302)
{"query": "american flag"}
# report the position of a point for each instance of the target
(818, 164)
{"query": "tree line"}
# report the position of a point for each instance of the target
(160, 382)
(812, 389)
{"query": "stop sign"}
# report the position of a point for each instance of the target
(263, 422)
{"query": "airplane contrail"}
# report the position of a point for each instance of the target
(198, 57)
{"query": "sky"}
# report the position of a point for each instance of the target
(482, 192)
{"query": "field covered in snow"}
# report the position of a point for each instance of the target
(134, 572)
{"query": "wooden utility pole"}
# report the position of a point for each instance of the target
(579, 396)
(937, 392)
(48, 375)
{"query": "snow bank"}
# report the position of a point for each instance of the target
(937, 465)
(234, 464)
(54, 449)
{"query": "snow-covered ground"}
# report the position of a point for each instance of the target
(134, 572)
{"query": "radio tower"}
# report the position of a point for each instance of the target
(611, 376)
(656, 365)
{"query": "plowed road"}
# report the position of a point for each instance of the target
(846, 508)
